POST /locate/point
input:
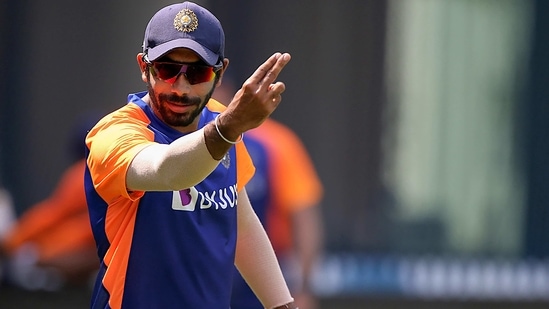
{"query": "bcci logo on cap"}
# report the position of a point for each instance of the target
(177, 26)
(185, 21)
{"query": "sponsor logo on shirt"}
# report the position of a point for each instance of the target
(191, 199)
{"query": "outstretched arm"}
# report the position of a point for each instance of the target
(158, 167)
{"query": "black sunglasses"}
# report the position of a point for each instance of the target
(194, 73)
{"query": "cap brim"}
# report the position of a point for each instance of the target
(207, 55)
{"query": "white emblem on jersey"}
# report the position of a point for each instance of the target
(184, 199)
(226, 160)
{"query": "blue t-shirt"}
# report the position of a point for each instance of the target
(170, 249)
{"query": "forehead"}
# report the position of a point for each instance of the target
(182, 55)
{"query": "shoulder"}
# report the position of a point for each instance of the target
(119, 131)
(128, 116)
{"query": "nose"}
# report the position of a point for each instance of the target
(181, 85)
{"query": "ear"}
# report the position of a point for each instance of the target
(222, 71)
(142, 66)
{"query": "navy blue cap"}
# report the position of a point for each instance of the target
(185, 25)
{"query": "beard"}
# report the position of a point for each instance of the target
(159, 105)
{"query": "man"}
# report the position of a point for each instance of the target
(285, 193)
(166, 173)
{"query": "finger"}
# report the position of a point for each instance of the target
(276, 100)
(273, 72)
(277, 88)
(262, 70)
(269, 70)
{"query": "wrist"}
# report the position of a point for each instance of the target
(215, 145)
(225, 134)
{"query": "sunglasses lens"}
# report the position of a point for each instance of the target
(167, 71)
(195, 74)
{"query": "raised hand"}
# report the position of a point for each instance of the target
(257, 99)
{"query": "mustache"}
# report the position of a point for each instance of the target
(180, 99)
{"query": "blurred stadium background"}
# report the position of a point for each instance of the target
(427, 121)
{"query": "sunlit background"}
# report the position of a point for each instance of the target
(427, 120)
